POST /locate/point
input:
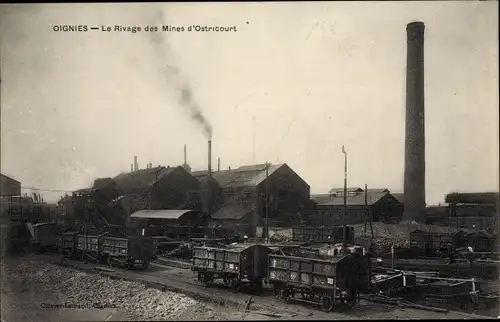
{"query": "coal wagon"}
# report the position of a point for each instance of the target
(45, 237)
(331, 235)
(128, 252)
(323, 280)
(67, 243)
(88, 247)
(234, 265)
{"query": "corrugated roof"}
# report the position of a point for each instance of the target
(160, 214)
(479, 197)
(232, 212)
(244, 176)
(142, 179)
(353, 189)
(356, 200)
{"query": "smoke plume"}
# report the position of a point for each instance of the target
(174, 77)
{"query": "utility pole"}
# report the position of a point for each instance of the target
(367, 211)
(253, 140)
(344, 243)
(267, 204)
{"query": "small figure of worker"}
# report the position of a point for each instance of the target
(245, 238)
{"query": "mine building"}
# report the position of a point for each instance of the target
(375, 205)
(158, 188)
(478, 211)
(243, 197)
(94, 206)
(9, 187)
(10, 194)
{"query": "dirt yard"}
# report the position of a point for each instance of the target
(33, 290)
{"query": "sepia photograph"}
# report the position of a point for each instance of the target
(218, 161)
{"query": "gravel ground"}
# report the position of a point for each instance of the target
(30, 286)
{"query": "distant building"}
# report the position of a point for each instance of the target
(9, 186)
(95, 205)
(243, 199)
(10, 195)
(477, 211)
(380, 206)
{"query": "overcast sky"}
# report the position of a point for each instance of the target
(80, 105)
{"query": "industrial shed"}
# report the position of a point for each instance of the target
(177, 223)
(158, 188)
(380, 204)
(244, 196)
(9, 187)
(477, 211)
(96, 206)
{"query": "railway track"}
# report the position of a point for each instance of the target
(488, 270)
(183, 281)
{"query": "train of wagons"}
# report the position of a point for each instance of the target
(126, 252)
(329, 277)
(294, 272)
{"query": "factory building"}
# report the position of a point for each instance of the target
(244, 202)
(9, 187)
(478, 211)
(380, 205)
(95, 205)
(158, 188)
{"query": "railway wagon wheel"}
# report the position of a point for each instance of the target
(327, 303)
(286, 295)
(205, 278)
(276, 289)
(235, 285)
(257, 283)
(306, 295)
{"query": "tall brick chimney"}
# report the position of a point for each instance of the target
(185, 154)
(414, 173)
(209, 156)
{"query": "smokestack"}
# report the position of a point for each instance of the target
(185, 154)
(414, 177)
(209, 156)
(218, 164)
(131, 168)
(136, 166)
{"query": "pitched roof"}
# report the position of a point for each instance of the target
(3, 177)
(244, 176)
(356, 200)
(142, 179)
(232, 212)
(102, 183)
(399, 197)
(160, 214)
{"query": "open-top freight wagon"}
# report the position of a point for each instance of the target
(330, 235)
(235, 264)
(45, 237)
(67, 243)
(436, 244)
(324, 280)
(128, 252)
(88, 247)
(102, 248)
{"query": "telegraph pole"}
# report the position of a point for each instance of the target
(267, 204)
(344, 244)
